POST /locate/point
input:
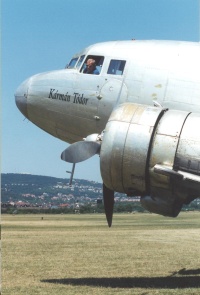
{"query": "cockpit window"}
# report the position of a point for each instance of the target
(116, 67)
(94, 59)
(72, 63)
(75, 62)
(80, 61)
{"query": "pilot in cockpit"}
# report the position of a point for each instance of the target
(91, 67)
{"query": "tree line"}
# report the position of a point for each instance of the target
(119, 207)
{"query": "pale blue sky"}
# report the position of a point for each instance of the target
(42, 35)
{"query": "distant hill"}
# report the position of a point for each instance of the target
(37, 179)
(8, 178)
(15, 186)
(27, 190)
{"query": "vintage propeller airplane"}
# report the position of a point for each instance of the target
(137, 105)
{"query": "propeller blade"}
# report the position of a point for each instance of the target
(80, 151)
(108, 199)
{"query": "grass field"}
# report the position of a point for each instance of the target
(79, 254)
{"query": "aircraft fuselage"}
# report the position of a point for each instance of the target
(137, 104)
(70, 104)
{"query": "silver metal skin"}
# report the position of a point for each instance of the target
(21, 96)
(71, 105)
(142, 107)
(150, 152)
(125, 146)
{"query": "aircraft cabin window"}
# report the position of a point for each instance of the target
(93, 59)
(116, 67)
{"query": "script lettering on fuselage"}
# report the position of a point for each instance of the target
(79, 98)
(54, 94)
(75, 98)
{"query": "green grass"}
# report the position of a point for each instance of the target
(79, 254)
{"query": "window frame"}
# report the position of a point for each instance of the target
(99, 62)
(116, 67)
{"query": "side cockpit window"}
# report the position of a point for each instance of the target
(75, 62)
(80, 61)
(116, 67)
(72, 63)
(92, 65)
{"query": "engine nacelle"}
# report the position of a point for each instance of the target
(154, 153)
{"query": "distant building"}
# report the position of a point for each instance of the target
(64, 205)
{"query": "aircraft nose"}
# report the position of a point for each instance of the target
(21, 95)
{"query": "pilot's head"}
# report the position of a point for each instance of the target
(91, 65)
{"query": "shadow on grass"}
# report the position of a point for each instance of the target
(188, 280)
(187, 272)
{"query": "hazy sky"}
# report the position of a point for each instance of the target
(42, 35)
